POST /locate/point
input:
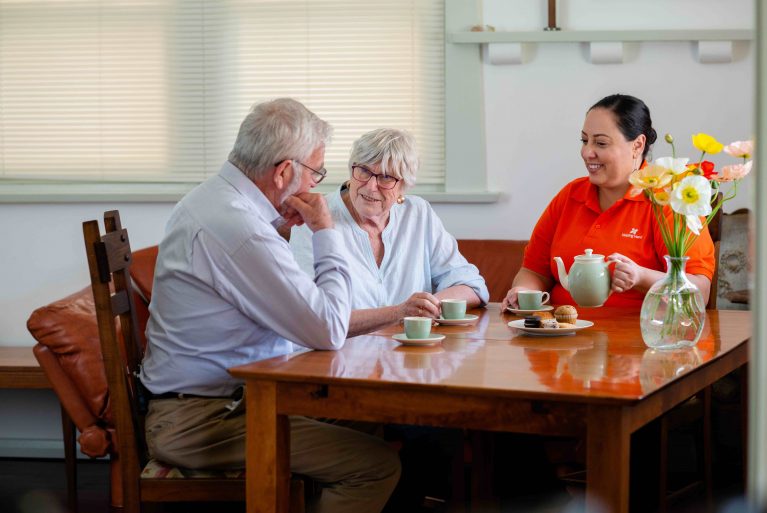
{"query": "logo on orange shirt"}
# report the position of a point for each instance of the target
(632, 234)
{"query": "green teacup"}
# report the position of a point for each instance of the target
(531, 299)
(453, 308)
(417, 327)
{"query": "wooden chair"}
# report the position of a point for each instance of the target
(69, 354)
(109, 260)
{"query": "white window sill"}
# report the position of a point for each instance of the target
(172, 192)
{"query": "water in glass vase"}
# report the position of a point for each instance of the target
(673, 311)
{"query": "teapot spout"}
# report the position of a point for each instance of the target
(562, 273)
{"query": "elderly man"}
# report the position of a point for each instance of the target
(227, 291)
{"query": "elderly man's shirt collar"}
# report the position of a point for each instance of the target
(248, 189)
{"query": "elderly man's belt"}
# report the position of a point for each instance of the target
(236, 395)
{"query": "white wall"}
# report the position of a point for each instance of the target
(534, 111)
(533, 114)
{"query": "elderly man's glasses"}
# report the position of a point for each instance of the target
(317, 174)
(363, 174)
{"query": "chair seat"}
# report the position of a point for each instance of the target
(157, 469)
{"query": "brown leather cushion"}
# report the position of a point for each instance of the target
(68, 328)
(497, 260)
(142, 270)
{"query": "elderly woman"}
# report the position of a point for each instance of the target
(403, 260)
(599, 212)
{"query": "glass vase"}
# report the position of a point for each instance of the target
(673, 311)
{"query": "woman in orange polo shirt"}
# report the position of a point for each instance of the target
(598, 212)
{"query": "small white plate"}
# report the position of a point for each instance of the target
(466, 321)
(550, 332)
(428, 341)
(518, 311)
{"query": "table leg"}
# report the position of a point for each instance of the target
(267, 458)
(607, 459)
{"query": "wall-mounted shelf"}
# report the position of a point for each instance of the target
(605, 46)
(589, 36)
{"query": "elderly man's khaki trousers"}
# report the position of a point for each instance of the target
(357, 471)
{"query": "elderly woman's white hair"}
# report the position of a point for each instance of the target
(277, 130)
(394, 149)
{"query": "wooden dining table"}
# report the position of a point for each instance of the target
(601, 383)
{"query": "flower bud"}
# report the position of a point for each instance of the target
(669, 139)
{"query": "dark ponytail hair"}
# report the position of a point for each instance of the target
(632, 117)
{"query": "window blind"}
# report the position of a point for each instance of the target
(155, 90)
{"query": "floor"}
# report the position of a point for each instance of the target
(39, 486)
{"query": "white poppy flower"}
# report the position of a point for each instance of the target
(676, 166)
(692, 196)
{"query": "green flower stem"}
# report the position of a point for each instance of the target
(664, 229)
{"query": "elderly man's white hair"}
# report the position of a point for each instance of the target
(277, 130)
(394, 149)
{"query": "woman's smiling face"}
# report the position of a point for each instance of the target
(608, 156)
(369, 200)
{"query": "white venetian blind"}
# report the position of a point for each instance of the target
(154, 90)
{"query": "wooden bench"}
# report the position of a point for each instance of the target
(19, 369)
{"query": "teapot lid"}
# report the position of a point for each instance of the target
(588, 256)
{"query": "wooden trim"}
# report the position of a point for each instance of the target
(446, 409)
(192, 489)
(19, 369)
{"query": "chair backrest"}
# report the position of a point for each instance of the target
(109, 260)
(734, 261)
(715, 229)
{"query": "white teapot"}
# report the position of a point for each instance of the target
(589, 278)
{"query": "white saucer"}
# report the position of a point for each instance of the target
(430, 340)
(550, 332)
(519, 311)
(466, 321)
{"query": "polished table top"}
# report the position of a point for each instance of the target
(605, 363)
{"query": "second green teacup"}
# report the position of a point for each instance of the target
(531, 299)
(417, 327)
(453, 308)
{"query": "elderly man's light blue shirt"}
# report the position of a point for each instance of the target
(420, 255)
(227, 290)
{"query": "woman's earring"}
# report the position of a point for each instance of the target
(637, 163)
(400, 199)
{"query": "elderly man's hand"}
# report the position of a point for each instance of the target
(312, 209)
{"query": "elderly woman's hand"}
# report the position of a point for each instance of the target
(420, 304)
(511, 298)
(626, 274)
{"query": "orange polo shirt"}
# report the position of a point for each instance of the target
(573, 221)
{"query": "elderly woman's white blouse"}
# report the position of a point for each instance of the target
(420, 255)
